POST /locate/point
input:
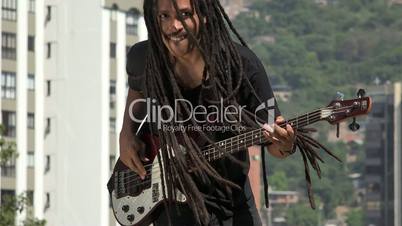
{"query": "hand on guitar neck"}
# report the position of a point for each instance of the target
(280, 140)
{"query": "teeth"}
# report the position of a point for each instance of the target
(176, 39)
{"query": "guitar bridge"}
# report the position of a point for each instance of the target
(155, 192)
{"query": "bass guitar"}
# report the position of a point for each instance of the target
(137, 202)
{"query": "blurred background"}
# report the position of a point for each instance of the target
(63, 89)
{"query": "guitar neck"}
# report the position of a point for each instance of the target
(256, 137)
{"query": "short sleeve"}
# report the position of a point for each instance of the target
(135, 65)
(262, 103)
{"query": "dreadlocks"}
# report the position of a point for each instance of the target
(222, 78)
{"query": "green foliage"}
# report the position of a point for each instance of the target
(10, 205)
(8, 208)
(334, 188)
(7, 149)
(355, 217)
(345, 42)
(301, 215)
(279, 181)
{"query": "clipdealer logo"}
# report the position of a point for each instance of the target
(162, 114)
(268, 105)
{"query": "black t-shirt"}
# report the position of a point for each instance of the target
(216, 198)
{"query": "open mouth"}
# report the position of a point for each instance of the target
(177, 38)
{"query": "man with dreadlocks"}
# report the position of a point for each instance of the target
(190, 55)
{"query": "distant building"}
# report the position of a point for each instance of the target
(391, 2)
(234, 7)
(279, 202)
(282, 92)
(335, 223)
(382, 202)
(284, 198)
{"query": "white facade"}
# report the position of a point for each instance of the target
(80, 48)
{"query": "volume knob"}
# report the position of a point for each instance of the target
(130, 217)
(125, 208)
(140, 210)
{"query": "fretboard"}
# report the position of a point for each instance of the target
(256, 137)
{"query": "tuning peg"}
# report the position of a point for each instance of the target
(340, 96)
(361, 93)
(354, 126)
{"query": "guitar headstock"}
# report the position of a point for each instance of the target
(339, 110)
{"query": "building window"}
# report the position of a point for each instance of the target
(112, 50)
(31, 159)
(30, 197)
(48, 14)
(31, 8)
(8, 85)
(9, 123)
(47, 165)
(49, 90)
(112, 125)
(9, 10)
(6, 194)
(132, 17)
(48, 126)
(8, 45)
(31, 43)
(112, 92)
(31, 82)
(48, 50)
(31, 121)
(47, 202)
(8, 169)
(113, 13)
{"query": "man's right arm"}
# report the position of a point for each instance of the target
(131, 147)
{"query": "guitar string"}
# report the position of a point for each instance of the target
(295, 119)
(311, 119)
(212, 150)
(313, 112)
(231, 149)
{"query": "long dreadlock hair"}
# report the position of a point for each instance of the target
(222, 78)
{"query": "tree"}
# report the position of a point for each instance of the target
(302, 215)
(11, 204)
(279, 181)
(355, 218)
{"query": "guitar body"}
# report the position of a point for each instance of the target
(137, 202)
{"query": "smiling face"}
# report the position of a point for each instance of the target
(174, 35)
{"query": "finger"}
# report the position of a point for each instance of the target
(270, 138)
(268, 128)
(267, 137)
(280, 133)
(290, 131)
(129, 164)
(141, 153)
(279, 119)
(141, 170)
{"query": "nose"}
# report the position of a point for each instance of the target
(177, 25)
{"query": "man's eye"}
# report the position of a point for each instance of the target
(163, 16)
(186, 14)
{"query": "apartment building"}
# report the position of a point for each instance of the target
(382, 202)
(63, 88)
